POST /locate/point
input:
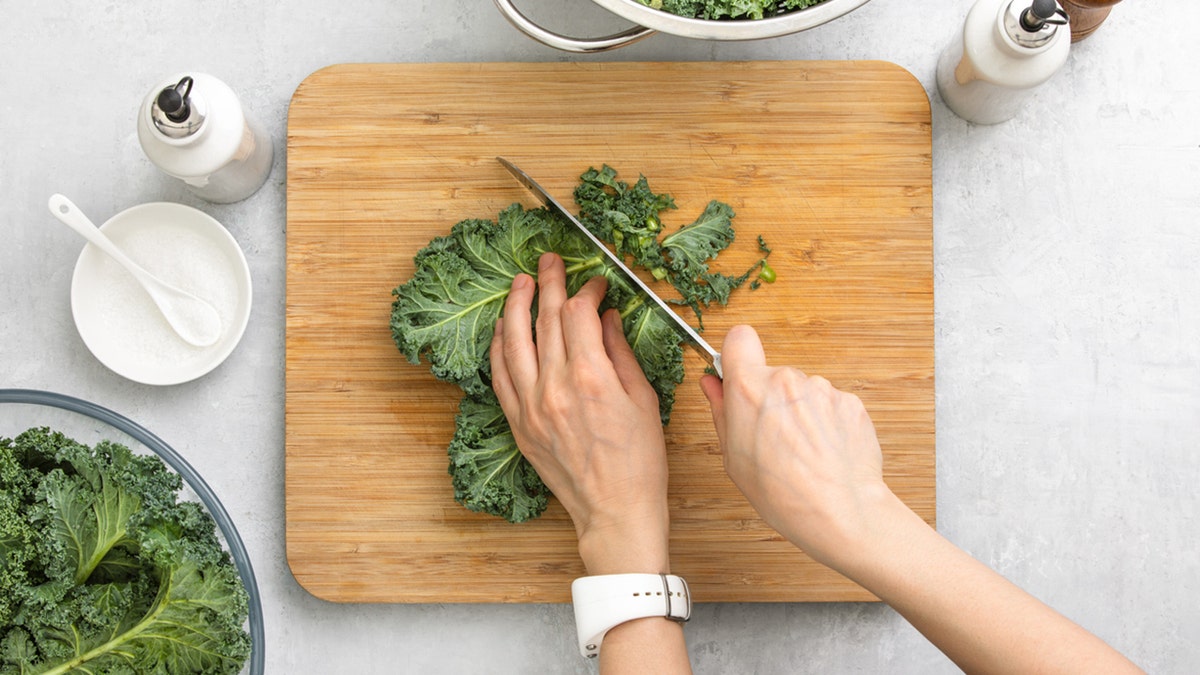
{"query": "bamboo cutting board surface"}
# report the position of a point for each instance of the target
(829, 161)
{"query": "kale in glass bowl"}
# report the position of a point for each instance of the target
(115, 555)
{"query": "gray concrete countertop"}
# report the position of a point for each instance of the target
(1067, 312)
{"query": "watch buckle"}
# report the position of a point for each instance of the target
(687, 600)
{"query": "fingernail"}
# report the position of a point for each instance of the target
(545, 261)
(521, 281)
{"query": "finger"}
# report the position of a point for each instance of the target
(552, 293)
(517, 350)
(593, 291)
(501, 380)
(714, 391)
(742, 351)
(629, 371)
(581, 327)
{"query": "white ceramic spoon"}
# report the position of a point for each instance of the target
(196, 321)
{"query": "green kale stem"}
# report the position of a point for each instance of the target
(584, 264)
(634, 303)
(160, 606)
(111, 516)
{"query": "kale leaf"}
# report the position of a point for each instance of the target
(103, 570)
(681, 257)
(729, 9)
(626, 216)
(488, 471)
(446, 313)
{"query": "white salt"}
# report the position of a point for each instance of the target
(183, 257)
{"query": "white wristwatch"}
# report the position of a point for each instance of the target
(603, 602)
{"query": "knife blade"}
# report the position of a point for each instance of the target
(689, 335)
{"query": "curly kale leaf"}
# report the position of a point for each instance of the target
(186, 622)
(681, 257)
(729, 9)
(488, 471)
(447, 311)
(690, 247)
(446, 314)
(655, 343)
(689, 250)
(103, 570)
(626, 216)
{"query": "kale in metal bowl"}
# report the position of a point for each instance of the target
(729, 9)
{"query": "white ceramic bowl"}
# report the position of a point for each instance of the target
(119, 322)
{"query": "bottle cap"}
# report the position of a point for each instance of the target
(176, 112)
(1033, 25)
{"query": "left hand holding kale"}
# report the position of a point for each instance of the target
(585, 416)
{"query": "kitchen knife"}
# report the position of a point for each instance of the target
(693, 339)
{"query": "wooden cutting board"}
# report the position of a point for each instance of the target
(829, 161)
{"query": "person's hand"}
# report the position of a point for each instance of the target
(585, 416)
(807, 458)
(804, 453)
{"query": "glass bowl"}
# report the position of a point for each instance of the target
(89, 423)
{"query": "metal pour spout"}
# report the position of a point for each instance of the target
(176, 113)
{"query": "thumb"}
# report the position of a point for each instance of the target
(714, 391)
(741, 351)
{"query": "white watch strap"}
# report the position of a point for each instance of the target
(602, 602)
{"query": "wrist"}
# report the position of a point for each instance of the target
(625, 557)
(889, 528)
(638, 545)
(844, 532)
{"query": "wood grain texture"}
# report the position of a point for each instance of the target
(829, 161)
